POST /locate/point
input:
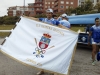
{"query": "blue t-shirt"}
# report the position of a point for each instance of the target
(51, 21)
(65, 23)
(95, 33)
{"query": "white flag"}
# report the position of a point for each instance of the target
(41, 45)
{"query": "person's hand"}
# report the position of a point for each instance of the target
(88, 43)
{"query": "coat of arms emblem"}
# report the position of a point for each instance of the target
(42, 45)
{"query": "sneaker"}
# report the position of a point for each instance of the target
(40, 73)
(93, 63)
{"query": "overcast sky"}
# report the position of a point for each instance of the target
(5, 4)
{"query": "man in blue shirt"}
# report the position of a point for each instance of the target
(64, 21)
(50, 19)
(94, 35)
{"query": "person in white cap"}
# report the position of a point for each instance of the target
(64, 21)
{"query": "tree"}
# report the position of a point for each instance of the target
(97, 6)
(88, 5)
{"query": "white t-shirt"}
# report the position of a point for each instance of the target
(65, 23)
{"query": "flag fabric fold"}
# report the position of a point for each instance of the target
(41, 45)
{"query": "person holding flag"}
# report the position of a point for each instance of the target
(49, 20)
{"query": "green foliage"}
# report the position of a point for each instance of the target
(40, 15)
(88, 6)
(97, 6)
(9, 27)
(8, 20)
(85, 8)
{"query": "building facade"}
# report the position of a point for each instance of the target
(49, 4)
(31, 9)
(39, 7)
(17, 10)
(62, 5)
(59, 6)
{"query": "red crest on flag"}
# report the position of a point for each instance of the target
(44, 41)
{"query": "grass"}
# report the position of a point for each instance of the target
(5, 27)
(9, 27)
(77, 28)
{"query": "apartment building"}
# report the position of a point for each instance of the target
(61, 5)
(80, 2)
(49, 4)
(39, 7)
(31, 9)
(17, 10)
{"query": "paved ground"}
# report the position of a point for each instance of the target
(81, 65)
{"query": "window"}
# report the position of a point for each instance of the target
(32, 8)
(37, 9)
(67, 2)
(52, 2)
(61, 10)
(66, 7)
(48, 2)
(71, 2)
(45, 6)
(62, 2)
(40, 4)
(48, 6)
(61, 6)
(45, 2)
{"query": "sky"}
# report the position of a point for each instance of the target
(5, 4)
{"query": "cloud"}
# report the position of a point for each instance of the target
(5, 4)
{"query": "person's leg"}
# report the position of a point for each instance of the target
(94, 51)
(40, 73)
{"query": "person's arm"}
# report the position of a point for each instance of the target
(89, 38)
(90, 34)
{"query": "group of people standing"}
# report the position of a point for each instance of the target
(54, 20)
(62, 21)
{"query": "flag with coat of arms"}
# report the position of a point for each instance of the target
(41, 45)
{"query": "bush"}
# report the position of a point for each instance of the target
(8, 20)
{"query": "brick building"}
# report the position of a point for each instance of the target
(62, 5)
(31, 9)
(49, 4)
(59, 6)
(39, 7)
(17, 10)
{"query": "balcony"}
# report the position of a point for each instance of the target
(37, 6)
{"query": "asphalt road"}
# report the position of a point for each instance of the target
(81, 65)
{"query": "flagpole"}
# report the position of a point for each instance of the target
(24, 8)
